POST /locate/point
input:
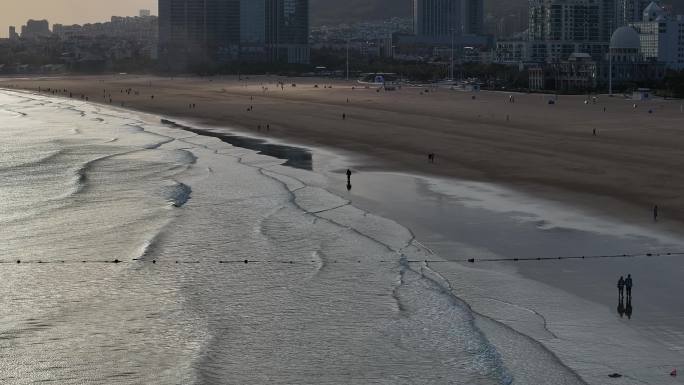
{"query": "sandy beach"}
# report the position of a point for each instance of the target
(549, 322)
(632, 164)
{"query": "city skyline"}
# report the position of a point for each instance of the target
(221, 31)
(17, 12)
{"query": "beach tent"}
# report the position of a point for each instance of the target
(642, 94)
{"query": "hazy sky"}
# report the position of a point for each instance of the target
(16, 12)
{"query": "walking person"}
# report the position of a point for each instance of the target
(621, 287)
(628, 286)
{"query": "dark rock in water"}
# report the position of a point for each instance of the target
(178, 194)
(293, 156)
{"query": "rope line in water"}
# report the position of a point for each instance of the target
(357, 261)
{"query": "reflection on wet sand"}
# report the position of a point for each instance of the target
(625, 309)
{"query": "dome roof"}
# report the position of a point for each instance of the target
(653, 12)
(625, 38)
(653, 7)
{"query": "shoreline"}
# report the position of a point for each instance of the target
(547, 274)
(545, 150)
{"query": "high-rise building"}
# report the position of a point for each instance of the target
(661, 37)
(437, 19)
(35, 28)
(570, 20)
(565, 36)
(253, 22)
(287, 30)
(630, 11)
(473, 17)
(200, 32)
(559, 28)
(440, 20)
(13, 35)
(145, 13)
(252, 30)
(610, 19)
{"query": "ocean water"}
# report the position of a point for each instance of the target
(328, 294)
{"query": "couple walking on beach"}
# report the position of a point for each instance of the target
(625, 308)
(625, 284)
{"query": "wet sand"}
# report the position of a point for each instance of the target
(457, 230)
(549, 150)
(575, 298)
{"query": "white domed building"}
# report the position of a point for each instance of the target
(625, 45)
(626, 62)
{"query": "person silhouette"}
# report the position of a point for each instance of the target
(628, 286)
(621, 307)
(621, 287)
(628, 308)
(655, 213)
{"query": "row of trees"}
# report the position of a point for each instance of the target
(51, 51)
(91, 55)
(673, 85)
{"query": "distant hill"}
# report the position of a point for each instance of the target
(345, 11)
